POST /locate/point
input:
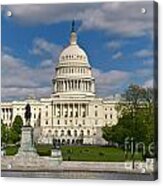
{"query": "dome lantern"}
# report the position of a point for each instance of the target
(73, 37)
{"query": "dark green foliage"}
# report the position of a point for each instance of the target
(136, 119)
(4, 132)
(12, 135)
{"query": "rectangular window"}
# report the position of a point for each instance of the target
(96, 113)
(111, 116)
(105, 116)
(46, 122)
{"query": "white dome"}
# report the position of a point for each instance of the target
(73, 52)
(73, 75)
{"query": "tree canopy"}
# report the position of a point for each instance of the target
(136, 119)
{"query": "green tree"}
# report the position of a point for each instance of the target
(4, 132)
(136, 119)
(17, 124)
(14, 134)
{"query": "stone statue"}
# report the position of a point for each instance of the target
(27, 114)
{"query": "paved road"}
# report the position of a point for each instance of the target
(79, 175)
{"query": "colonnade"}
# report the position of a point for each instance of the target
(6, 114)
(71, 110)
(73, 85)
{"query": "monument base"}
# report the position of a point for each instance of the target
(27, 157)
(26, 147)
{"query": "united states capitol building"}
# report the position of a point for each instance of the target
(73, 114)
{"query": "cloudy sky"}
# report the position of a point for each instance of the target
(117, 37)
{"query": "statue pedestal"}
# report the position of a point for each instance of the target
(27, 157)
(26, 145)
(56, 153)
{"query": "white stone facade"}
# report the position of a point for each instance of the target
(73, 113)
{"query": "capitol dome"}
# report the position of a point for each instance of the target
(73, 74)
(73, 52)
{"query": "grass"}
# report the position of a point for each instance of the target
(82, 153)
(94, 153)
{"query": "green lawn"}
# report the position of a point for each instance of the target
(82, 153)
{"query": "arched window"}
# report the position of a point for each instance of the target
(88, 132)
(62, 132)
(69, 133)
(49, 131)
(56, 132)
(75, 133)
(82, 133)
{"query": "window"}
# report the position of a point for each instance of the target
(96, 122)
(46, 106)
(46, 113)
(62, 132)
(105, 116)
(65, 122)
(46, 122)
(34, 116)
(82, 133)
(111, 116)
(56, 132)
(83, 122)
(88, 132)
(69, 133)
(96, 113)
(111, 109)
(84, 114)
(75, 133)
(58, 122)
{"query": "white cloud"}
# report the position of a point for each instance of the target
(43, 47)
(144, 72)
(144, 53)
(19, 80)
(110, 82)
(148, 84)
(113, 45)
(118, 17)
(117, 56)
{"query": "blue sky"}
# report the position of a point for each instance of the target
(117, 37)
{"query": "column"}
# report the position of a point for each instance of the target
(86, 85)
(73, 110)
(77, 84)
(81, 85)
(54, 110)
(61, 109)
